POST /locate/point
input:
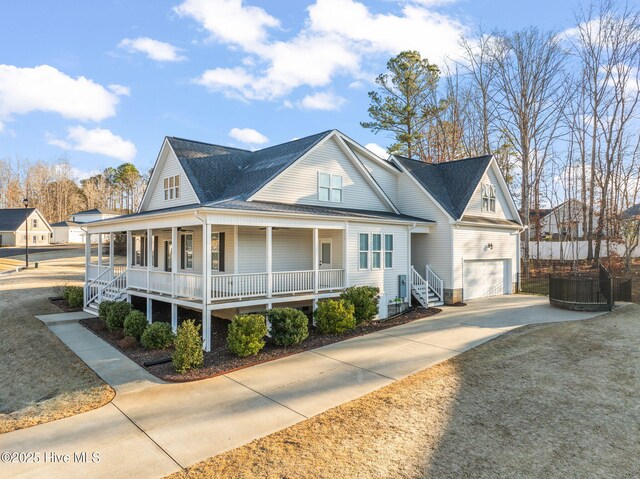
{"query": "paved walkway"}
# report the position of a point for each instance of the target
(151, 430)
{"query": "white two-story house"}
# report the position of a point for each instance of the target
(225, 231)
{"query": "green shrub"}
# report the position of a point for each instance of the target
(288, 326)
(365, 301)
(135, 323)
(246, 334)
(157, 336)
(117, 312)
(188, 354)
(74, 296)
(335, 317)
(103, 309)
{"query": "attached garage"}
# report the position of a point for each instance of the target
(483, 278)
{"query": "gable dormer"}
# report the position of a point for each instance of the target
(490, 200)
(168, 186)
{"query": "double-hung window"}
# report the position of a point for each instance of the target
(139, 250)
(329, 188)
(217, 252)
(488, 197)
(34, 223)
(376, 251)
(388, 251)
(172, 187)
(363, 262)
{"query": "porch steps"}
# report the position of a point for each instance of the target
(422, 292)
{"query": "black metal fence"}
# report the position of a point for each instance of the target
(605, 283)
(578, 290)
(622, 289)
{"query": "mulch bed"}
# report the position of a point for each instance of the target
(61, 303)
(220, 360)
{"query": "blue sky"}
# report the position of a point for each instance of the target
(104, 82)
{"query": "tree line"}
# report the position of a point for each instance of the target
(53, 189)
(558, 110)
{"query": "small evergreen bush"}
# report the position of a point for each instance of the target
(288, 326)
(365, 301)
(335, 317)
(118, 311)
(188, 354)
(74, 296)
(246, 334)
(157, 336)
(103, 309)
(135, 323)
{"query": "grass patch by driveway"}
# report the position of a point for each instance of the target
(551, 400)
(40, 379)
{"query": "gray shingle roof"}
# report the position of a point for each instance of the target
(12, 218)
(65, 223)
(97, 211)
(221, 173)
(451, 183)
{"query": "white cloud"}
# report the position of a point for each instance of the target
(97, 140)
(248, 136)
(230, 21)
(377, 150)
(79, 174)
(120, 90)
(44, 88)
(326, 101)
(154, 49)
(328, 45)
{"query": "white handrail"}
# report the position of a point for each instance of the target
(119, 281)
(419, 285)
(434, 282)
(89, 296)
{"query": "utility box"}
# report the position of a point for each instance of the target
(402, 285)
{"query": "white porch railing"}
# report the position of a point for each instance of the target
(434, 282)
(160, 281)
(95, 270)
(419, 288)
(227, 286)
(330, 279)
(188, 285)
(137, 278)
(292, 282)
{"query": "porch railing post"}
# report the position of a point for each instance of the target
(269, 261)
(149, 257)
(345, 251)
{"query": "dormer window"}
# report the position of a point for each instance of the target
(172, 187)
(329, 188)
(488, 197)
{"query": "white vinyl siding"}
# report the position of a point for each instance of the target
(433, 248)
(299, 183)
(502, 210)
(387, 179)
(385, 279)
(472, 243)
(169, 167)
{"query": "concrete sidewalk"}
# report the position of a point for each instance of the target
(186, 423)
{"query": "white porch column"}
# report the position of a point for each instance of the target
(345, 254)
(149, 257)
(87, 256)
(269, 307)
(175, 251)
(149, 310)
(316, 259)
(235, 249)
(269, 261)
(314, 306)
(174, 317)
(206, 285)
(99, 251)
(129, 238)
(111, 252)
(409, 264)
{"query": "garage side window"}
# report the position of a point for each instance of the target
(488, 197)
(364, 251)
(388, 251)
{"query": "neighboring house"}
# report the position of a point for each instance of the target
(298, 222)
(13, 227)
(565, 221)
(71, 231)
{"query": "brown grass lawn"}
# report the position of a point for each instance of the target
(556, 400)
(40, 379)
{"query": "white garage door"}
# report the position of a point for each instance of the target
(484, 278)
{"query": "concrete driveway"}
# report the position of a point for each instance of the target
(154, 430)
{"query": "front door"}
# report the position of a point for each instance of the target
(325, 254)
(167, 255)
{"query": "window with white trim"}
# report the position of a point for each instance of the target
(186, 255)
(376, 251)
(488, 197)
(34, 223)
(329, 187)
(363, 260)
(139, 250)
(388, 251)
(217, 252)
(172, 187)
